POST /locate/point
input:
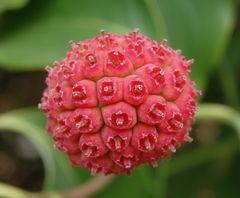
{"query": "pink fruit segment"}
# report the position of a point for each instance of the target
(126, 159)
(119, 116)
(87, 120)
(158, 54)
(117, 64)
(116, 140)
(167, 143)
(135, 90)
(175, 82)
(68, 145)
(186, 102)
(105, 42)
(61, 97)
(92, 67)
(91, 145)
(150, 157)
(110, 90)
(72, 71)
(68, 70)
(173, 121)
(134, 44)
(62, 127)
(84, 94)
(144, 137)
(153, 110)
(154, 76)
(95, 165)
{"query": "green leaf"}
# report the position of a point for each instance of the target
(220, 113)
(12, 4)
(45, 37)
(139, 184)
(200, 28)
(31, 123)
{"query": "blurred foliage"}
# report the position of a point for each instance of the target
(37, 35)
(12, 4)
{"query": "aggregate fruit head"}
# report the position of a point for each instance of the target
(118, 101)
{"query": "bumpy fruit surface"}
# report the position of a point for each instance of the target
(118, 101)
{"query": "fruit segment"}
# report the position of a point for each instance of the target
(92, 66)
(116, 140)
(135, 90)
(110, 90)
(154, 77)
(126, 159)
(173, 121)
(144, 137)
(153, 110)
(119, 116)
(91, 145)
(84, 94)
(95, 165)
(87, 120)
(117, 64)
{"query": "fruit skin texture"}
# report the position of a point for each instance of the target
(118, 101)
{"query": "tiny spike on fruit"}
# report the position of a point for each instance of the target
(118, 101)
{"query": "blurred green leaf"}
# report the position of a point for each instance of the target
(139, 184)
(12, 4)
(44, 39)
(229, 72)
(31, 124)
(200, 28)
(219, 113)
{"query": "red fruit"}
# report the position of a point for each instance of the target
(118, 101)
